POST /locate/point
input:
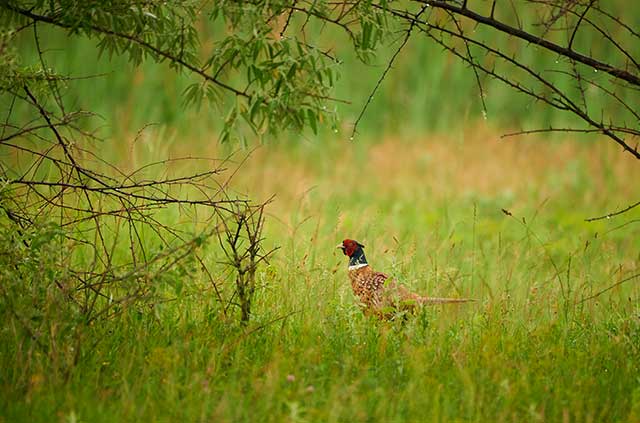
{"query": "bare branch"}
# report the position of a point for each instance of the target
(386, 70)
(615, 285)
(616, 213)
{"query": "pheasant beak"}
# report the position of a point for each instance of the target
(340, 246)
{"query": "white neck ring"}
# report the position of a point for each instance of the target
(357, 266)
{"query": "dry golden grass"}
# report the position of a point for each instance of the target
(477, 164)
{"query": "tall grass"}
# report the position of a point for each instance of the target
(533, 347)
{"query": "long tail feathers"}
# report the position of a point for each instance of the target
(436, 300)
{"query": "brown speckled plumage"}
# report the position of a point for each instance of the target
(378, 294)
(368, 286)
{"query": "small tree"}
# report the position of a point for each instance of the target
(80, 239)
(242, 243)
(262, 72)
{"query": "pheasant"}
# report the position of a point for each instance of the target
(378, 294)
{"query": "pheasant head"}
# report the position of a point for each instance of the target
(353, 250)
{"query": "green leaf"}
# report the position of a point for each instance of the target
(313, 120)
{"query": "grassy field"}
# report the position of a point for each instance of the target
(534, 347)
(440, 201)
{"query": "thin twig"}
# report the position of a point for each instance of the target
(637, 275)
(384, 74)
(616, 213)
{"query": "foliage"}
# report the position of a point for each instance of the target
(60, 179)
(530, 348)
(253, 60)
(250, 72)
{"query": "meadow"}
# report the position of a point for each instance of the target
(534, 347)
(442, 203)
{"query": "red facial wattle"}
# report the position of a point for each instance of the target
(349, 247)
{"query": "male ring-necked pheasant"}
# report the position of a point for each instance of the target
(378, 294)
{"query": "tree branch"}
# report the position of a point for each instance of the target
(530, 38)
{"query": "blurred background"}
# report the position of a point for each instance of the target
(426, 156)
